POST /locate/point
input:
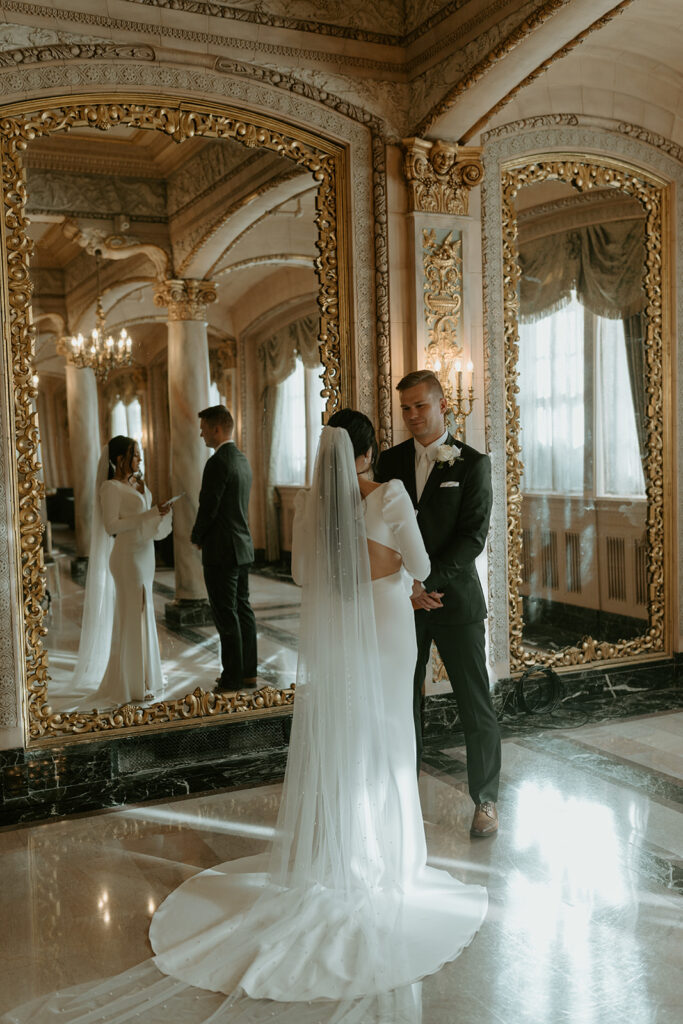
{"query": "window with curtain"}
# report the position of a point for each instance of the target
(298, 422)
(554, 383)
(127, 420)
(551, 400)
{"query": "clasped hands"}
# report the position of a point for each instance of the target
(423, 599)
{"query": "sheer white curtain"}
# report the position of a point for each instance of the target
(298, 422)
(619, 467)
(552, 383)
(551, 400)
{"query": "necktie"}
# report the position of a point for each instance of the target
(422, 470)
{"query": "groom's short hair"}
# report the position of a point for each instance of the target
(218, 416)
(411, 380)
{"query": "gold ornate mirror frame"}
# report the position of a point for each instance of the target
(652, 194)
(19, 124)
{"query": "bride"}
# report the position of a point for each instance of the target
(119, 648)
(340, 919)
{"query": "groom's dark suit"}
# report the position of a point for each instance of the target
(222, 531)
(453, 515)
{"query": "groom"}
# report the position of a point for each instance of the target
(221, 531)
(450, 485)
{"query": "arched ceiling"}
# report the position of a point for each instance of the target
(629, 71)
(241, 216)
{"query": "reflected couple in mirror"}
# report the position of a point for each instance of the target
(118, 655)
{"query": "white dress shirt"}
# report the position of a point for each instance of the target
(425, 456)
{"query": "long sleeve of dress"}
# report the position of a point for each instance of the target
(114, 522)
(299, 538)
(398, 512)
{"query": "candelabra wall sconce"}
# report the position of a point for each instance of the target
(458, 389)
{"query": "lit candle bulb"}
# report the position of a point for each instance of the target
(458, 370)
(470, 370)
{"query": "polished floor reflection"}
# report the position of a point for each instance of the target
(584, 880)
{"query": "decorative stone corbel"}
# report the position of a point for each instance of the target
(439, 175)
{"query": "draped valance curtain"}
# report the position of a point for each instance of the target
(602, 263)
(278, 355)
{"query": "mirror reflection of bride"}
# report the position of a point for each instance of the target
(118, 654)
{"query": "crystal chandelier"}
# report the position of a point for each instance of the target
(100, 352)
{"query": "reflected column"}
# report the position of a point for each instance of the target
(188, 393)
(84, 435)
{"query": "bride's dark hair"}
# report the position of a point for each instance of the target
(120, 445)
(360, 430)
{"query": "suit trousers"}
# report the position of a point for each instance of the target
(228, 591)
(463, 651)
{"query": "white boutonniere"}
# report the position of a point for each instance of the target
(446, 455)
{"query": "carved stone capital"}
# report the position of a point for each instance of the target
(439, 175)
(186, 299)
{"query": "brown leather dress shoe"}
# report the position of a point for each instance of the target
(485, 820)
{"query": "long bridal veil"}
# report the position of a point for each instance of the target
(339, 920)
(98, 608)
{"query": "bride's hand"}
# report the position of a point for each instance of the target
(164, 509)
(420, 599)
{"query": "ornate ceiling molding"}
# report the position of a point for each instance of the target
(496, 55)
(538, 121)
(546, 64)
(118, 247)
(74, 51)
(439, 175)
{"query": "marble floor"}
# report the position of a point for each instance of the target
(584, 879)
(190, 655)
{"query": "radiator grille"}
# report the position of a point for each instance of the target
(573, 553)
(640, 568)
(549, 573)
(616, 569)
(526, 556)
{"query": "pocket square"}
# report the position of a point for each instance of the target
(450, 483)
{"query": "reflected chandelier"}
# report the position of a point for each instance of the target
(101, 352)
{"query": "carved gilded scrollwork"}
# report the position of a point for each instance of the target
(440, 174)
(16, 132)
(585, 176)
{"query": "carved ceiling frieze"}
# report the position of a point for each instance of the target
(214, 165)
(95, 196)
(74, 51)
(439, 175)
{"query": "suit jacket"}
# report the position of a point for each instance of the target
(453, 520)
(221, 526)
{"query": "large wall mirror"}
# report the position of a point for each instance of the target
(587, 414)
(211, 238)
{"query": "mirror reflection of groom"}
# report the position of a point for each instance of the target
(221, 530)
(450, 485)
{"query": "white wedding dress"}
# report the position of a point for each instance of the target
(134, 666)
(339, 920)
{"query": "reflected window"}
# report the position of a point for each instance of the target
(127, 420)
(564, 360)
(619, 466)
(551, 399)
(298, 422)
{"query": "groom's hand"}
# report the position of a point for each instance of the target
(420, 599)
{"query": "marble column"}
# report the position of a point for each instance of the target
(84, 443)
(188, 392)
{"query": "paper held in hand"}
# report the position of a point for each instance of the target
(174, 498)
